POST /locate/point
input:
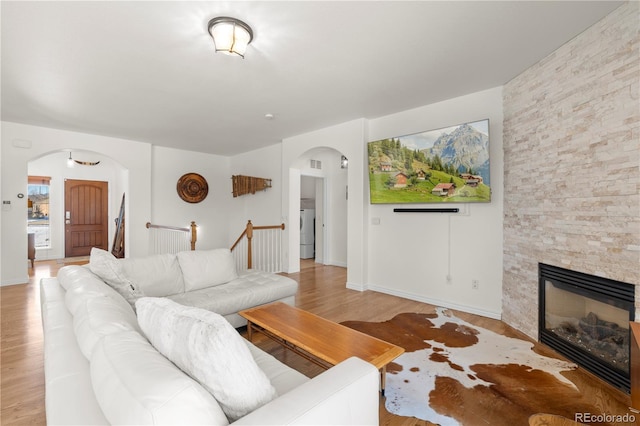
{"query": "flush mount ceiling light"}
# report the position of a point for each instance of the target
(230, 35)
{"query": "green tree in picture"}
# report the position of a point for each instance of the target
(391, 181)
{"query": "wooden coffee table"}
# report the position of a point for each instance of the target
(321, 341)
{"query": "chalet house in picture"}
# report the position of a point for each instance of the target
(471, 180)
(401, 180)
(444, 189)
(385, 167)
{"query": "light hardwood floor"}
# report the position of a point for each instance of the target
(322, 291)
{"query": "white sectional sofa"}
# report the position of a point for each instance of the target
(101, 369)
(205, 279)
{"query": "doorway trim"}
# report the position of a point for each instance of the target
(325, 226)
(329, 172)
(348, 138)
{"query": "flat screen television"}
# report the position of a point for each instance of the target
(448, 165)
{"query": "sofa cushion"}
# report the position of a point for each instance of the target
(251, 288)
(136, 385)
(69, 275)
(98, 317)
(206, 268)
(105, 265)
(81, 284)
(205, 346)
(158, 275)
(66, 369)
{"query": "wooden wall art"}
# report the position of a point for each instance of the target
(192, 188)
(248, 184)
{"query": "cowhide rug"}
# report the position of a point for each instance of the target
(454, 373)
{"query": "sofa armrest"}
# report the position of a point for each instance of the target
(346, 394)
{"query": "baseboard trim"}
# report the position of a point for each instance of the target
(436, 302)
(15, 281)
(354, 286)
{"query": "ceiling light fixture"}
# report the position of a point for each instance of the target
(87, 163)
(230, 35)
(71, 162)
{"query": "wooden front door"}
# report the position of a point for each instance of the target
(86, 216)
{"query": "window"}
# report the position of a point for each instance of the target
(38, 210)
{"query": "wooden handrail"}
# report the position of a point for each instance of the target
(248, 232)
(193, 228)
(172, 228)
(281, 226)
(239, 239)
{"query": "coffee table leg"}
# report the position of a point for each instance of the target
(249, 331)
(383, 379)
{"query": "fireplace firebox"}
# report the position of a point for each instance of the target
(586, 318)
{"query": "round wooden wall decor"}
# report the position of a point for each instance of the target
(192, 188)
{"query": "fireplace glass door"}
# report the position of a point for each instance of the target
(586, 318)
(594, 326)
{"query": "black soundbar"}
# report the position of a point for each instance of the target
(438, 210)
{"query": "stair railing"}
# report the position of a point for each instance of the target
(259, 250)
(171, 239)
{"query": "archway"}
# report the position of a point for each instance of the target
(87, 165)
(22, 144)
(322, 166)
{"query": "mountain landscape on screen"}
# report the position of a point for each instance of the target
(439, 166)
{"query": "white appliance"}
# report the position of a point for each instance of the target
(307, 233)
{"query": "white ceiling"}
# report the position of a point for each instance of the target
(147, 70)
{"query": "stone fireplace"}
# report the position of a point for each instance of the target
(586, 318)
(571, 135)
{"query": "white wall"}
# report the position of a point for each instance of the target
(308, 189)
(23, 143)
(151, 195)
(264, 207)
(211, 214)
(411, 254)
(406, 255)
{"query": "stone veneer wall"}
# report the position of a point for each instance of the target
(572, 164)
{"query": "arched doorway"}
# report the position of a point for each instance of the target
(321, 181)
(87, 166)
